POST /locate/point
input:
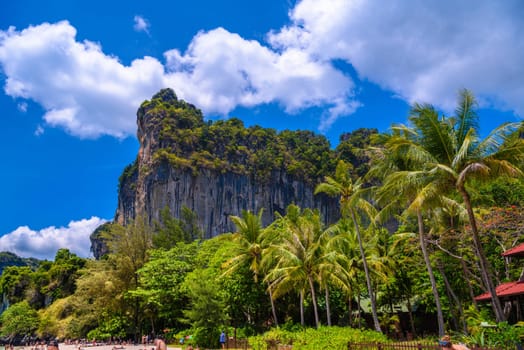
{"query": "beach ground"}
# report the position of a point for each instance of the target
(63, 346)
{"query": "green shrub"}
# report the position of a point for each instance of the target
(312, 339)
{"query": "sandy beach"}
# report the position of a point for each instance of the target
(113, 347)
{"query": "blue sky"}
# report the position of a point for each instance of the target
(73, 73)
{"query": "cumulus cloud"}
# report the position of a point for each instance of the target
(423, 52)
(89, 93)
(44, 243)
(141, 24)
(220, 70)
(83, 90)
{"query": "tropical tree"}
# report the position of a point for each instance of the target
(252, 241)
(347, 268)
(15, 281)
(351, 202)
(298, 255)
(19, 319)
(415, 190)
(129, 248)
(98, 297)
(450, 151)
(169, 230)
(208, 310)
(160, 284)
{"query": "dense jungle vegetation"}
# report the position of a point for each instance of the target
(457, 198)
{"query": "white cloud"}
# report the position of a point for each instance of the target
(220, 70)
(89, 93)
(424, 51)
(141, 24)
(82, 90)
(44, 243)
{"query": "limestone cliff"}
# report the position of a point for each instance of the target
(218, 169)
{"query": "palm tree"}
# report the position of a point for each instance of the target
(450, 152)
(298, 255)
(350, 201)
(415, 189)
(252, 241)
(347, 264)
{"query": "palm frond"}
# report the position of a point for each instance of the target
(477, 169)
(434, 134)
(466, 115)
(463, 152)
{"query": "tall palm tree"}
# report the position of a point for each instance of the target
(252, 240)
(451, 152)
(298, 255)
(351, 201)
(414, 189)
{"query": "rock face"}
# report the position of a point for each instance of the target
(163, 175)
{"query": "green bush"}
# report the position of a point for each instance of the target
(501, 335)
(312, 339)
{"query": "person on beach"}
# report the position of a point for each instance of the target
(222, 340)
(160, 344)
(52, 345)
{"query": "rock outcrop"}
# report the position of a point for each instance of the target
(179, 165)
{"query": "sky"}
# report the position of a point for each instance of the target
(73, 74)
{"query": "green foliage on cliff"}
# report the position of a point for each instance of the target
(186, 141)
(48, 281)
(129, 171)
(11, 259)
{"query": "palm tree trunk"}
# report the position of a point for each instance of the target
(302, 322)
(457, 307)
(350, 312)
(470, 289)
(411, 320)
(440, 316)
(484, 265)
(273, 309)
(152, 325)
(328, 310)
(366, 272)
(314, 299)
(359, 311)
(458, 303)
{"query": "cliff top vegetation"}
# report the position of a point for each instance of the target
(185, 139)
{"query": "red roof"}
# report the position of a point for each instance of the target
(504, 290)
(515, 251)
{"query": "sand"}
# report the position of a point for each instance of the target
(63, 346)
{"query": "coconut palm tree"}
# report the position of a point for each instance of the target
(298, 255)
(414, 189)
(347, 263)
(252, 240)
(351, 202)
(451, 152)
(345, 259)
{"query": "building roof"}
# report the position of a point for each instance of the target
(515, 251)
(504, 290)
